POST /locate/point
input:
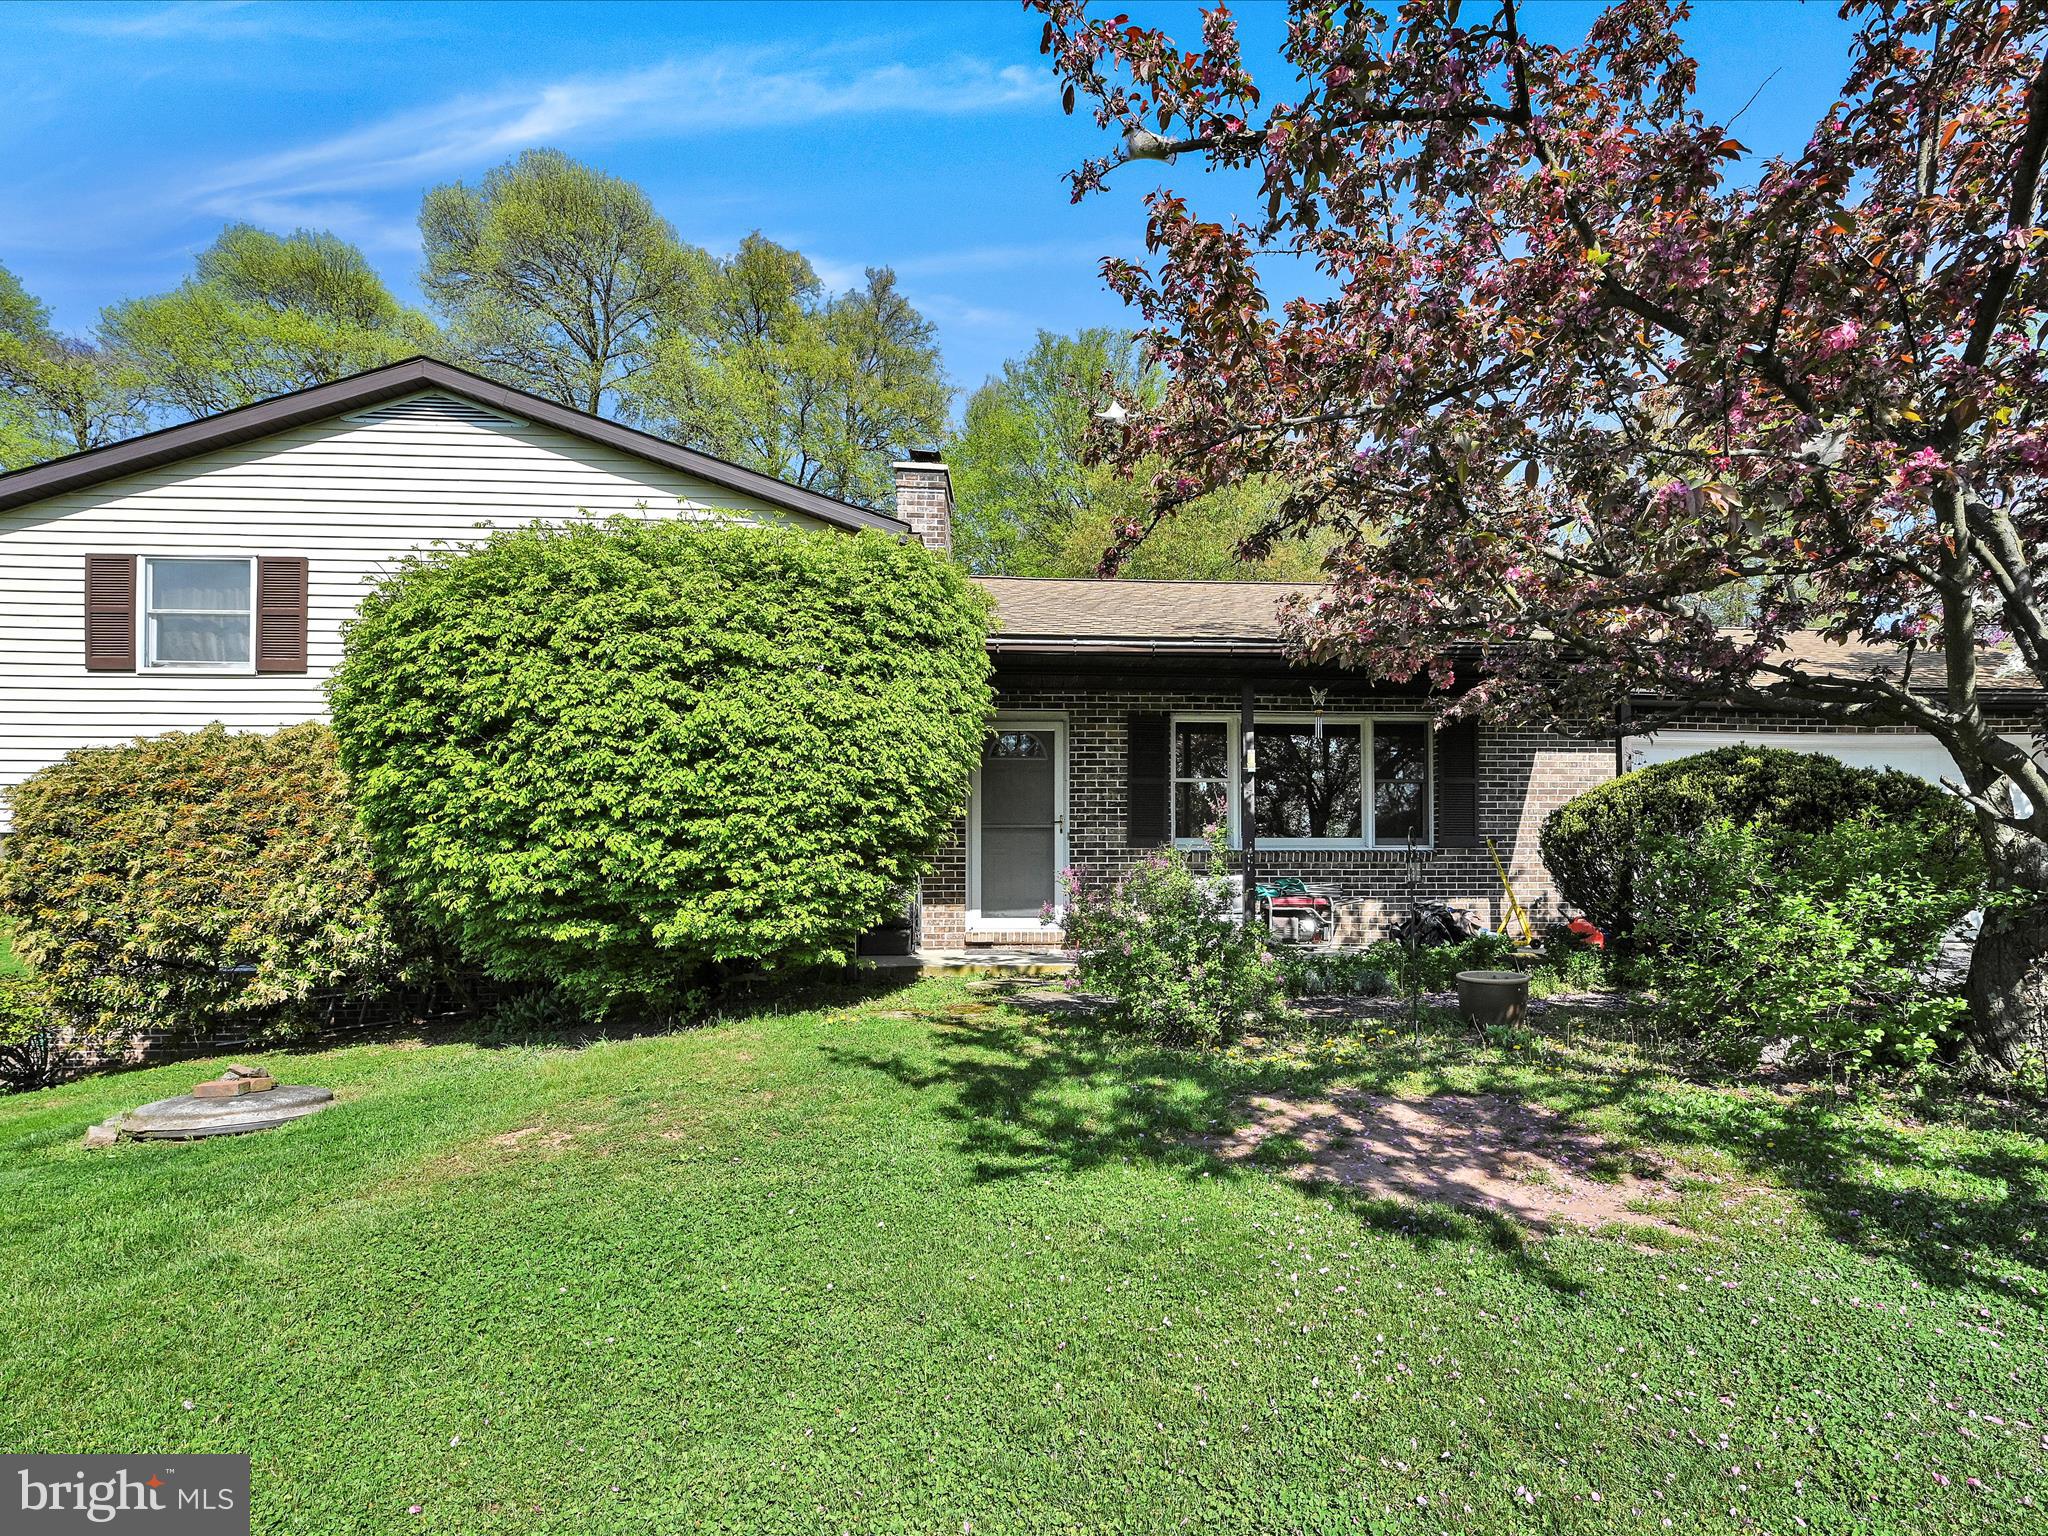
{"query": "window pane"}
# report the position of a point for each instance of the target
(220, 639)
(1202, 750)
(1200, 804)
(1309, 787)
(199, 584)
(1400, 750)
(1017, 785)
(1016, 744)
(1400, 764)
(1400, 814)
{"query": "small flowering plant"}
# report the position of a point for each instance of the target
(1164, 944)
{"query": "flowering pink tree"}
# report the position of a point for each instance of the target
(1579, 390)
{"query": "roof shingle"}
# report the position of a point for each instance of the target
(1053, 613)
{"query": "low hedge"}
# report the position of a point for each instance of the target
(196, 879)
(1596, 846)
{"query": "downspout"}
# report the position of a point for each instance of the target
(1248, 805)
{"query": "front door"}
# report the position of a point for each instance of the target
(1020, 822)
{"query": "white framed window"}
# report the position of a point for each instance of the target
(1204, 776)
(1362, 781)
(197, 614)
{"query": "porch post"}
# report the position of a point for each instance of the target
(1248, 805)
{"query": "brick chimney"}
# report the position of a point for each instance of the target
(924, 498)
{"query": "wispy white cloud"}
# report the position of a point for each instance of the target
(838, 276)
(374, 229)
(716, 92)
(948, 309)
(201, 19)
(1005, 258)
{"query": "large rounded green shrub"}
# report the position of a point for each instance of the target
(617, 756)
(197, 879)
(1595, 846)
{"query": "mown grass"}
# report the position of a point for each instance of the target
(924, 1261)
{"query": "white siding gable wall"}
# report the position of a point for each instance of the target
(351, 494)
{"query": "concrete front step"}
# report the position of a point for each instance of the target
(982, 960)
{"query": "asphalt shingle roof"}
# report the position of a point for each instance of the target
(1083, 613)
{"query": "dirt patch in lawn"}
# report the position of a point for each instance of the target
(1480, 1152)
(551, 1139)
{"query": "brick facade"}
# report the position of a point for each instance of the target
(1524, 775)
(2009, 719)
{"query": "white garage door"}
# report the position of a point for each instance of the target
(1910, 753)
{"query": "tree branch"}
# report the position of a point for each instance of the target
(2026, 183)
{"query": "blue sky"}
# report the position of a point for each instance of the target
(927, 137)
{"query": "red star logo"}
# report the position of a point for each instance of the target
(155, 1481)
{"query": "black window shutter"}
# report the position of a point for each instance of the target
(1457, 785)
(1148, 775)
(110, 613)
(281, 613)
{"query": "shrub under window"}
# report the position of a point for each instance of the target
(199, 878)
(1164, 946)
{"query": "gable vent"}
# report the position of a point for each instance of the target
(433, 408)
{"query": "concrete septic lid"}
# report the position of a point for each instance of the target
(187, 1119)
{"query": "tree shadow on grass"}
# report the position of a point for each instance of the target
(1066, 1097)
(1851, 1162)
(1063, 1092)
(1869, 1182)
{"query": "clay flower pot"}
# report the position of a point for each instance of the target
(1494, 997)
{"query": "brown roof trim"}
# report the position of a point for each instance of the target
(171, 444)
(1068, 645)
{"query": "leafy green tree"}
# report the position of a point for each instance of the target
(558, 278)
(779, 375)
(58, 394)
(263, 315)
(1029, 503)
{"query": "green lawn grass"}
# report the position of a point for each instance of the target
(925, 1262)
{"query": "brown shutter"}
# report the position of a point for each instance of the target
(1148, 778)
(110, 613)
(1457, 785)
(281, 613)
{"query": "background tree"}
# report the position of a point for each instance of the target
(775, 373)
(1031, 503)
(1575, 372)
(557, 278)
(263, 315)
(58, 394)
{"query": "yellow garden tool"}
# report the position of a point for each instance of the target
(1516, 910)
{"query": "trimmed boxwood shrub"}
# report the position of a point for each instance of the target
(620, 756)
(195, 879)
(1596, 844)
